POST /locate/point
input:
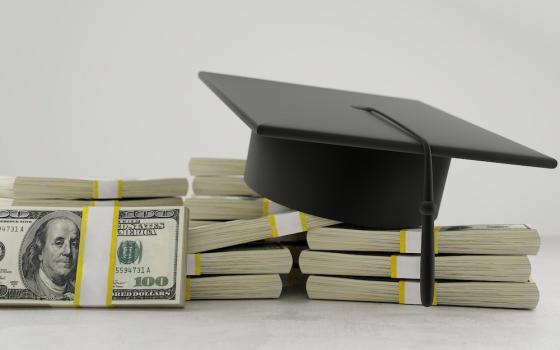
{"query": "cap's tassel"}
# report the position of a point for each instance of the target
(427, 257)
(427, 209)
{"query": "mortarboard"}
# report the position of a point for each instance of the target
(366, 160)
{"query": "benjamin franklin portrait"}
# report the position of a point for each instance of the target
(48, 261)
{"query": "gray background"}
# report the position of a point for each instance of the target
(110, 89)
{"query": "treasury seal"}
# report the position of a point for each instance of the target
(129, 252)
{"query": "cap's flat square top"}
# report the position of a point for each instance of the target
(306, 113)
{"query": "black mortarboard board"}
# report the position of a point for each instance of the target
(367, 160)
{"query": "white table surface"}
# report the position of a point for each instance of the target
(296, 322)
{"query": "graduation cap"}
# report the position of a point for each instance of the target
(367, 160)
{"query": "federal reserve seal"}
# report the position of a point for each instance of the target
(129, 252)
(2, 251)
(3, 291)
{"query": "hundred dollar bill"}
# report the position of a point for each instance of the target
(93, 256)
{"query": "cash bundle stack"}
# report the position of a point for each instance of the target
(240, 245)
(92, 243)
(483, 266)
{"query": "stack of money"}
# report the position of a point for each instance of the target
(484, 265)
(29, 190)
(239, 243)
(92, 243)
(221, 194)
(219, 177)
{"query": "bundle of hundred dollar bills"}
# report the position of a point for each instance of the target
(477, 265)
(240, 245)
(86, 243)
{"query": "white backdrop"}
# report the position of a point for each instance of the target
(110, 88)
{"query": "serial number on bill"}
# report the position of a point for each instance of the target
(132, 269)
(11, 228)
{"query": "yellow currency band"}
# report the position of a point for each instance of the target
(188, 289)
(95, 189)
(402, 240)
(119, 188)
(402, 248)
(94, 203)
(303, 220)
(81, 253)
(112, 257)
(274, 229)
(402, 293)
(265, 206)
(197, 264)
(393, 266)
